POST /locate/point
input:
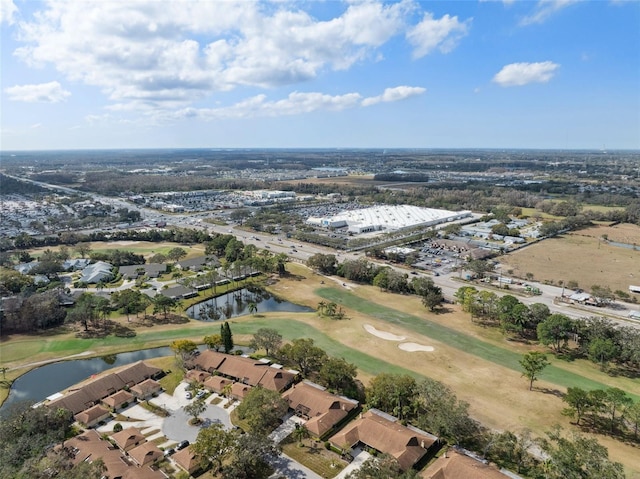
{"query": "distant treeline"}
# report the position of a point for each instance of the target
(410, 177)
(10, 186)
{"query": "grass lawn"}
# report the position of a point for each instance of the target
(456, 339)
(563, 258)
(314, 456)
(477, 363)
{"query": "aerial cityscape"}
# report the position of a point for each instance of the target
(320, 240)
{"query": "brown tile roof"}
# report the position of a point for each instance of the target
(117, 399)
(383, 433)
(239, 390)
(138, 372)
(88, 446)
(98, 389)
(322, 409)
(128, 438)
(90, 416)
(196, 375)
(245, 370)
(146, 388)
(457, 465)
(143, 473)
(207, 360)
(187, 459)
(146, 453)
(217, 383)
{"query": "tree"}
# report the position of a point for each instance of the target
(432, 299)
(214, 444)
(176, 254)
(632, 415)
(392, 393)
(227, 337)
(340, 376)
(555, 330)
(300, 433)
(129, 301)
(383, 467)
(262, 409)
(533, 363)
(252, 306)
(158, 258)
(438, 410)
(267, 339)
(304, 354)
(195, 408)
(578, 457)
(183, 347)
(83, 249)
(213, 341)
(252, 457)
(164, 304)
(603, 350)
(324, 263)
(25, 432)
(616, 399)
(578, 403)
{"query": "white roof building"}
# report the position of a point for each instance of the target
(389, 218)
(96, 272)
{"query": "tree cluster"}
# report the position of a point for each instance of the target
(235, 455)
(605, 410)
(26, 435)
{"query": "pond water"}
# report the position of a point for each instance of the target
(49, 379)
(240, 303)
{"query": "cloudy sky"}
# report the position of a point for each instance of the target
(242, 74)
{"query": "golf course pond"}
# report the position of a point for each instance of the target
(240, 303)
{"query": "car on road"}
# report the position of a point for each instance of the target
(182, 445)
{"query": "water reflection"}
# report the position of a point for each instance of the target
(46, 380)
(249, 300)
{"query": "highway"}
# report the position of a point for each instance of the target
(301, 252)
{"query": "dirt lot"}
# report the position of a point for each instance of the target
(582, 256)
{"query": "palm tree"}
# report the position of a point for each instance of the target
(300, 433)
(322, 305)
(253, 307)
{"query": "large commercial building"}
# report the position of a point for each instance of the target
(387, 218)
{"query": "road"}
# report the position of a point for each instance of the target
(301, 252)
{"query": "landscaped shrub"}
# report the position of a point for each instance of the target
(117, 427)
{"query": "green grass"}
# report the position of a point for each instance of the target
(292, 329)
(319, 461)
(456, 339)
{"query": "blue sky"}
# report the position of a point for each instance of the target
(409, 74)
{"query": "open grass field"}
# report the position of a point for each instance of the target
(476, 362)
(581, 256)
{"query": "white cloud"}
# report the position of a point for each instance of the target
(7, 11)
(544, 10)
(51, 92)
(296, 103)
(394, 94)
(518, 74)
(430, 33)
(155, 55)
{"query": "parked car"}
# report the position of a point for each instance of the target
(182, 445)
(200, 394)
(188, 395)
(169, 452)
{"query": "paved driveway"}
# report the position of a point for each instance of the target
(176, 427)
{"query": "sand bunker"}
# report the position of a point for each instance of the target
(382, 335)
(413, 347)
